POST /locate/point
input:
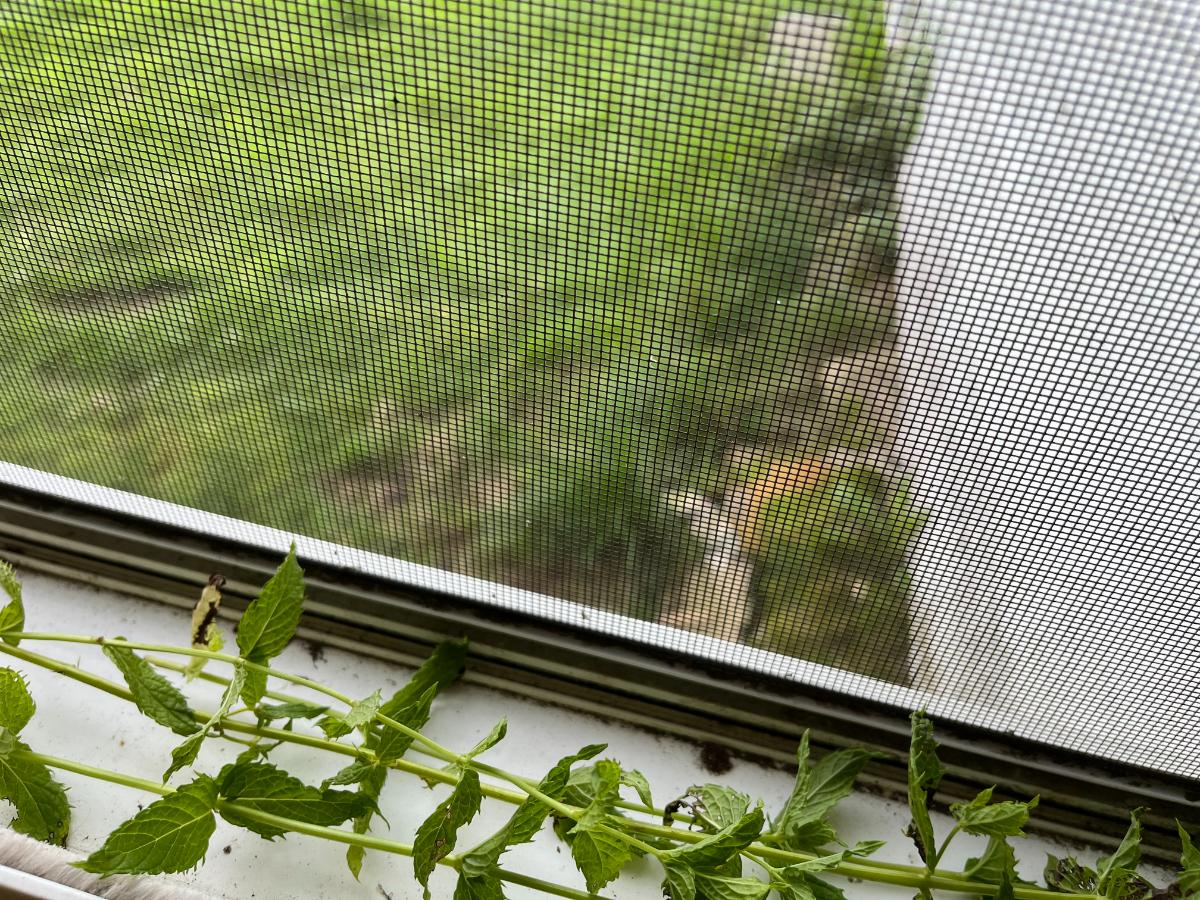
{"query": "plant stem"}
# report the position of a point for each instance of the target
(185, 651)
(937, 857)
(337, 835)
(867, 870)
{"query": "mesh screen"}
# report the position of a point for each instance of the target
(854, 340)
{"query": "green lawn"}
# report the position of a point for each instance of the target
(472, 283)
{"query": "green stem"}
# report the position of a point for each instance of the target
(867, 870)
(337, 835)
(937, 857)
(184, 651)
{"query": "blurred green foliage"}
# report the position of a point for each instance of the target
(467, 282)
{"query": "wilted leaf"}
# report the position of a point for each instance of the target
(169, 835)
(156, 697)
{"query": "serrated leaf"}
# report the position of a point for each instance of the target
(1189, 864)
(640, 784)
(351, 774)
(679, 883)
(443, 667)
(495, 736)
(295, 709)
(360, 714)
(16, 704)
(479, 887)
(270, 621)
(153, 695)
(12, 616)
(1127, 855)
(438, 834)
(599, 856)
(1069, 876)
(996, 858)
(254, 683)
(185, 754)
(830, 781)
(370, 787)
(718, 887)
(1126, 884)
(806, 886)
(169, 835)
(605, 784)
(719, 848)
(982, 817)
(924, 775)
(40, 801)
(720, 806)
(391, 744)
(266, 788)
(527, 820)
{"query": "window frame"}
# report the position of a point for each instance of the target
(753, 714)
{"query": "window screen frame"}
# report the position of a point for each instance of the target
(1083, 798)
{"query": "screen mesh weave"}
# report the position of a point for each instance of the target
(815, 330)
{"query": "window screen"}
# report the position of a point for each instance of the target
(857, 342)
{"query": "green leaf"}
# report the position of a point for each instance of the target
(495, 736)
(295, 709)
(391, 743)
(1126, 857)
(996, 859)
(1069, 876)
(479, 887)
(156, 697)
(641, 786)
(12, 616)
(438, 834)
(268, 789)
(351, 774)
(360, 714)
(443, 667)
(719, 848)
(269, 622)
(169, 835)
(679, 883)
(719, 887)
(16, 705)
(527, 820)
(829, 781)
(982, 817)
(720, 806)
(1189, 862)
(185, 754)
(806, 886)
(605, 786)
(600, 856)
(369, 788)
(924, 775)
(40, 801)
